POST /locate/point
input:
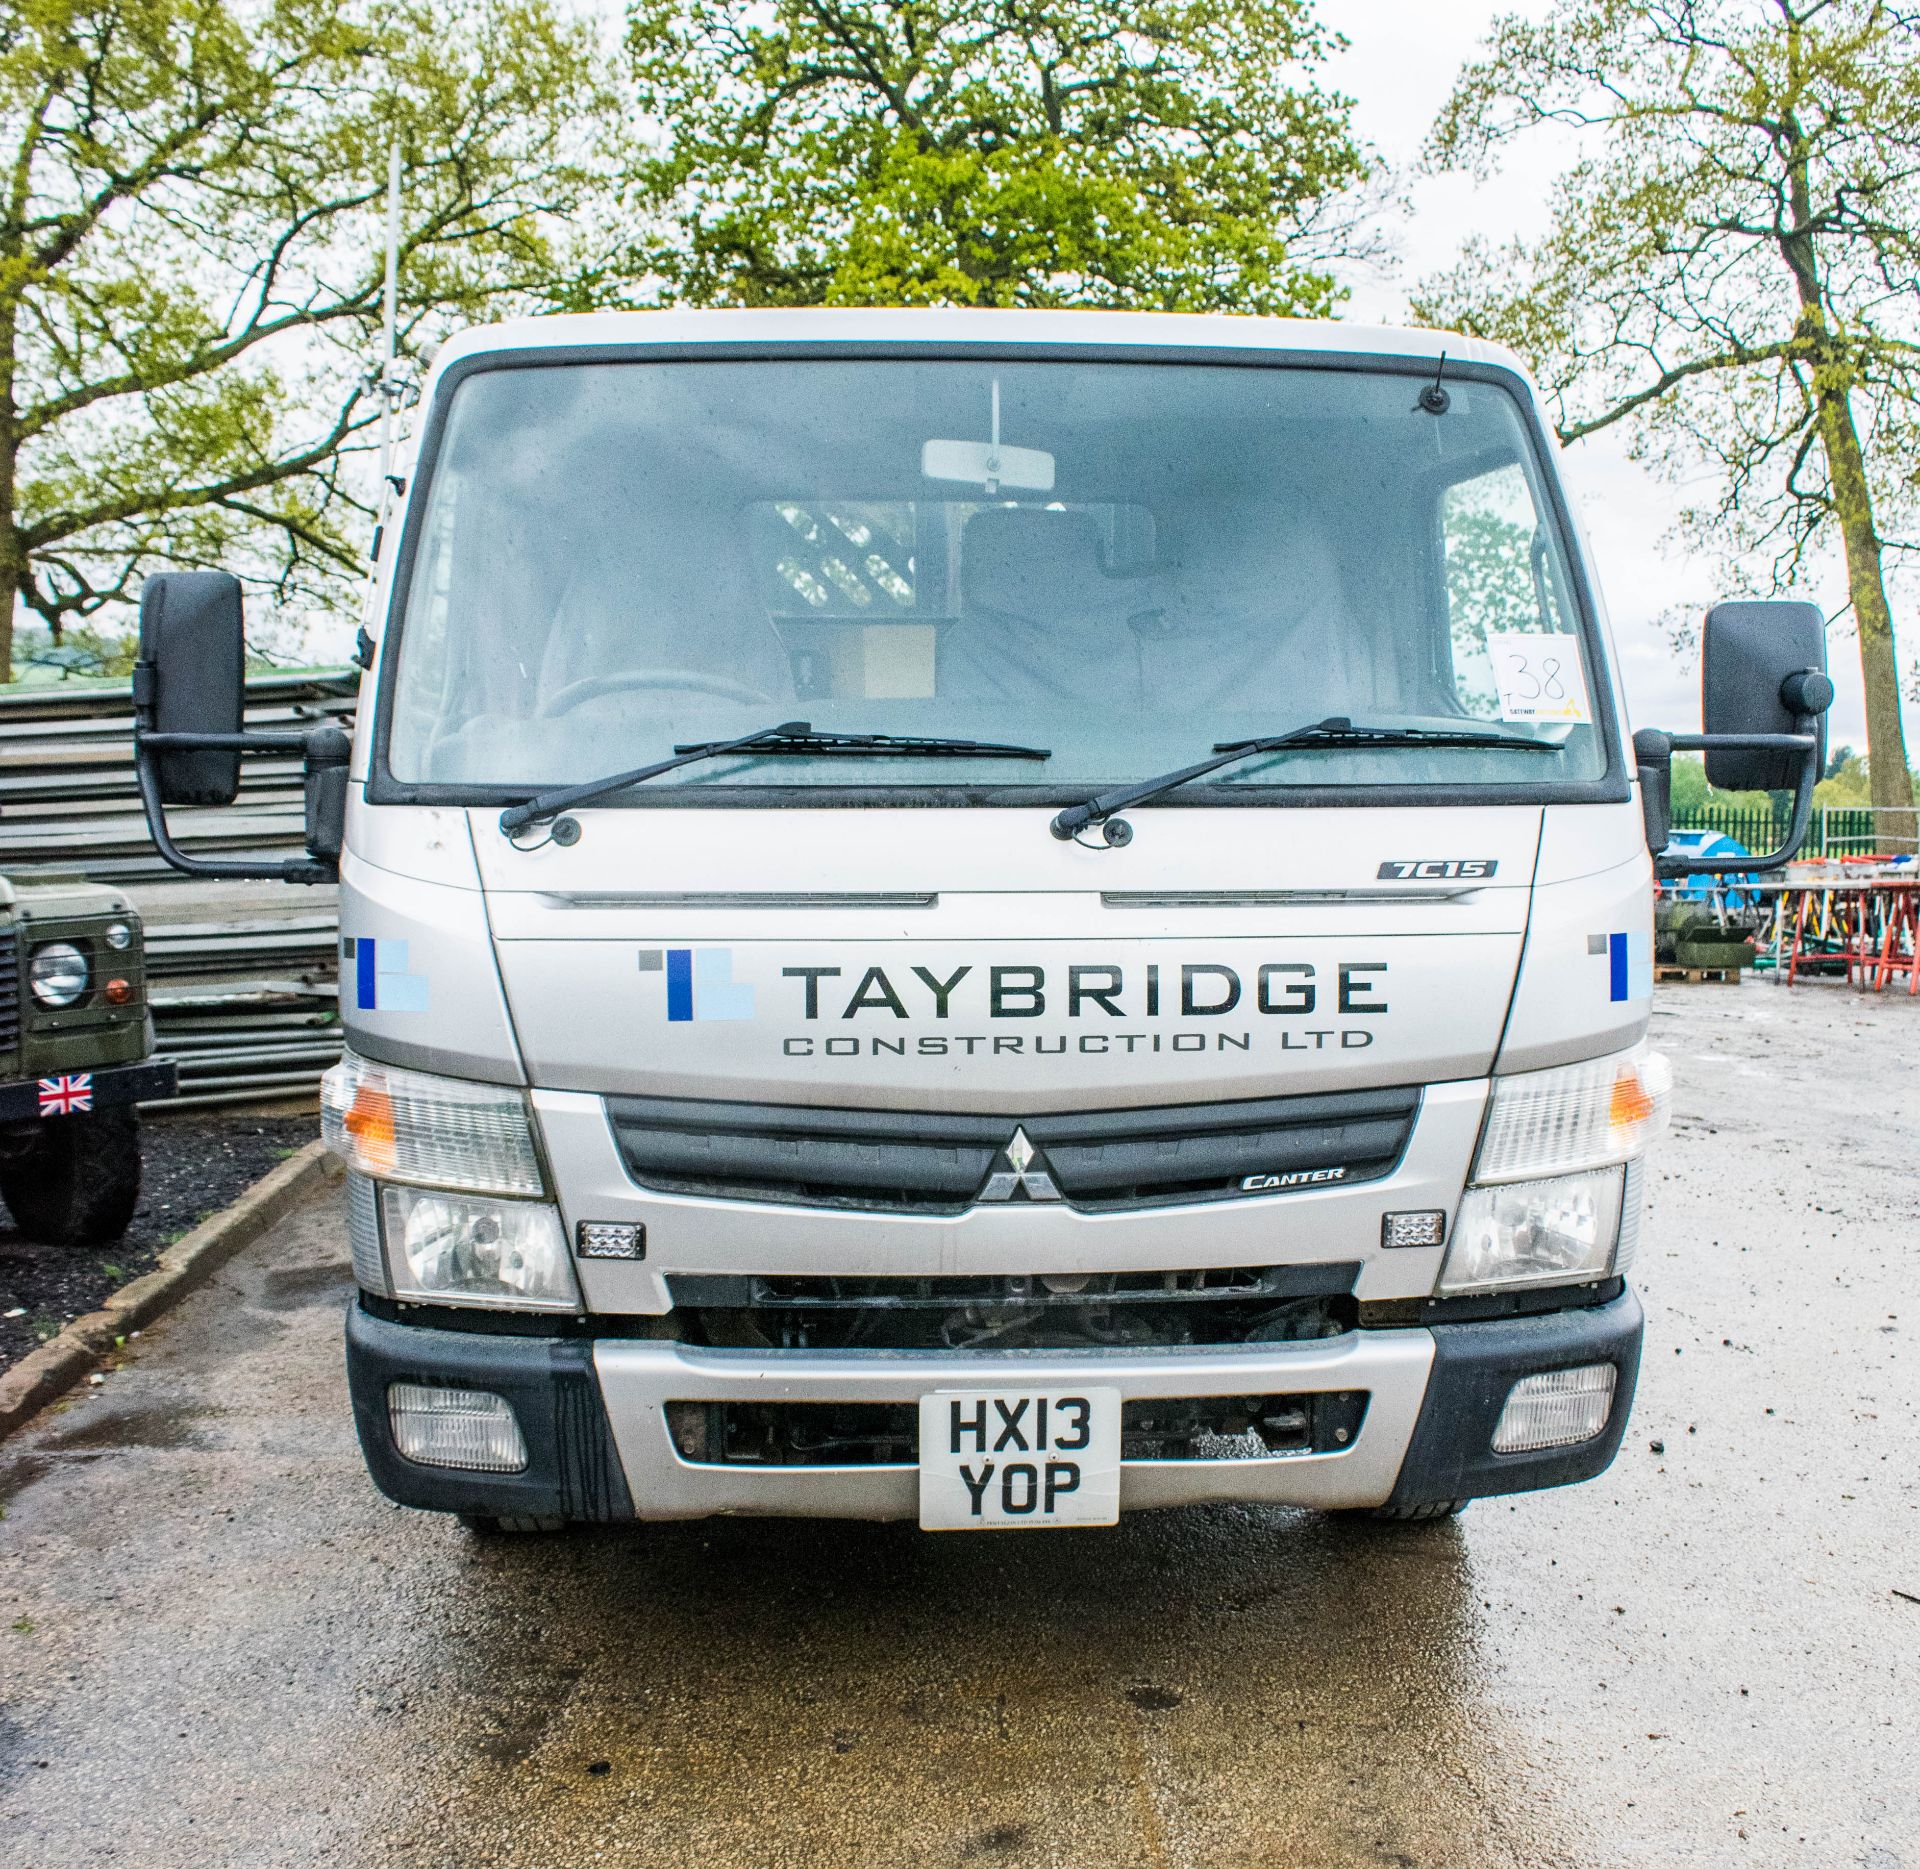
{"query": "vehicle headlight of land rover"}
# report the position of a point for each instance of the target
(428, 1160)
(1554, 1198)
(59, 974)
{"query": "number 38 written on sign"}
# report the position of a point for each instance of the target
(1539, 677)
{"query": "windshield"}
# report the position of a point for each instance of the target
(1121, 563)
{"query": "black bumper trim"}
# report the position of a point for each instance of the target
(1475, 1365)
(112, 1086)
(572, 1470)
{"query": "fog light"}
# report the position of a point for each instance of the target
(1557, 1409)
(1416, 1229)
(467, 1428)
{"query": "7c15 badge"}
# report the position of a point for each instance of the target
(1439, 869)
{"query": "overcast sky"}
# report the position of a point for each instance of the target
(1399, 67)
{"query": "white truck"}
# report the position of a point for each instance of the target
(985, 917)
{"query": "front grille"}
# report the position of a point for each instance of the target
(887, 1434)
(924, 1161)
(9, 989)
(1092, 1310)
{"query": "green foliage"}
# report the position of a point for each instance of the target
(1691, 792)
(1729, 270)
(1175, 156)
(190, 264)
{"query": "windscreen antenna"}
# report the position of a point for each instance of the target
(1434, 398)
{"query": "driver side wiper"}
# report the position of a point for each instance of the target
(1335, 731)
(790, 736)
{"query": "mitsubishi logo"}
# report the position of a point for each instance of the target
(1020, 1170)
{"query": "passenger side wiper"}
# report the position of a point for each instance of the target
(1335, 731)
(1345, 733)
(807, 741)
(791, 736)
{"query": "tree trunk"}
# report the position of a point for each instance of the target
(1888, 777)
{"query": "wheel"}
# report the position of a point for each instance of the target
(1413, 1515)
(79, 1180)
(488, 1525)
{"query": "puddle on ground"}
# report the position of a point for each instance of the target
(110, 1430)
(292, 1288)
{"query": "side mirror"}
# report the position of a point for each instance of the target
(1763, 672)
(193, 667)
(1764, 697)
(189, 727)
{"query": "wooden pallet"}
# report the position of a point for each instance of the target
(1696, 976)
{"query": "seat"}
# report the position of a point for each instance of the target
(1040, 616)
(1247, 609)
(664, 595)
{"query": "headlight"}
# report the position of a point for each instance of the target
(1579, 1116)
(460, 1249)
(446, 1131)
(1555, 1232)
(59, 973)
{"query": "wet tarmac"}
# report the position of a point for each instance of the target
(225, 1648)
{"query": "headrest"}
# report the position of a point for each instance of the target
(1025, 561)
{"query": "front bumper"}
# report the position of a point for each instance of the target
(593, 1415)
(105, 1088)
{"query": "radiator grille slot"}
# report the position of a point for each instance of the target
(9, 989)
(887, 1434)
(917, 1160)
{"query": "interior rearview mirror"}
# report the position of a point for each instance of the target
(193, 647)
(1763, 672)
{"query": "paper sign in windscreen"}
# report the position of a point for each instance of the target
(1539, 678)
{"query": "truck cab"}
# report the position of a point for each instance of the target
(989, 918)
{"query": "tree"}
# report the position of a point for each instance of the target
(1174, 155)
(191, 198)
(1730, 271)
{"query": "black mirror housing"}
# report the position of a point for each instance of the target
(1763, 672)
(193, 666)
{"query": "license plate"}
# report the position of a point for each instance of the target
(995, 1459)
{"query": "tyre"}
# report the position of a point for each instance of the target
(79, 1180)
(1413, 1515)
(487, 1525)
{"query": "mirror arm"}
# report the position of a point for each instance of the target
(1654, 751)
(325, 750)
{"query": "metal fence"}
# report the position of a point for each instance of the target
(1836, 831)
(242, 977)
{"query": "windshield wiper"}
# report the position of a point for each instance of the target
(807, 741)
(1335, 731)
(550, 804)
(790, 736)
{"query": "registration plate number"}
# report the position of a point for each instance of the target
(1000, 1459)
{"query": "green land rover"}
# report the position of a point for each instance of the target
(75, 1058)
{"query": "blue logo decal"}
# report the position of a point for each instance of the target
(381, 982)
(700, 983)
(1629, 966)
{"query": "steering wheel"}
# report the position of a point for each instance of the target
(689, 680)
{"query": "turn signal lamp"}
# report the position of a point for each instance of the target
(117, 992)
(1579, 1116)
(444, 1132)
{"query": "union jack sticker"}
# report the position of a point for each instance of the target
(65, 1096)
